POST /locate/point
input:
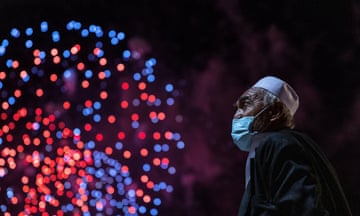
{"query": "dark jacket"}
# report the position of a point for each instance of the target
(291, 176)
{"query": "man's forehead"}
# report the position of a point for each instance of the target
(252, 93)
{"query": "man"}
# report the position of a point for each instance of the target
(286, 172)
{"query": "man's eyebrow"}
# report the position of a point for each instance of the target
(240, 99)
(243, 97)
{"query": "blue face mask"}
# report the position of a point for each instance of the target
(241, 131)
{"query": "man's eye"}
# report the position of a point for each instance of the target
(246, 103)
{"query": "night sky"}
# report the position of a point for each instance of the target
(214, 50)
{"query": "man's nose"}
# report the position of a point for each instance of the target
(238, 114)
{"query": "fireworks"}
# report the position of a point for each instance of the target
(86, 126)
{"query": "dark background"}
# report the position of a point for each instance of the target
(216, 49)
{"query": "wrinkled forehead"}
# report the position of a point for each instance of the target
(253, 93)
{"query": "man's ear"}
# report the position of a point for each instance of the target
(275, 111)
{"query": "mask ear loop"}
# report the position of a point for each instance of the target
(263, 110)
(259, 113)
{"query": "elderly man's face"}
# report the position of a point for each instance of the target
(249, 103)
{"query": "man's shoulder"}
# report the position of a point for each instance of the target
(284, 134)
(280, 139)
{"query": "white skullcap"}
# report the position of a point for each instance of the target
(280, 89)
